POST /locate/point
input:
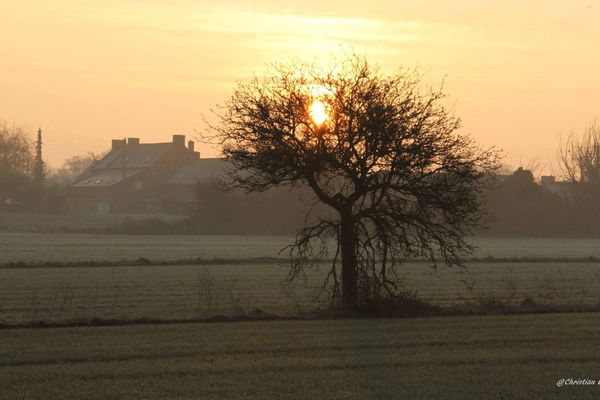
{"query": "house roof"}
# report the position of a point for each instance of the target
(141, 155)
(133, 159)
(202, 170)
(106, 178)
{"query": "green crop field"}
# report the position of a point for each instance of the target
(508, 357)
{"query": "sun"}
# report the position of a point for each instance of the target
(317, 112)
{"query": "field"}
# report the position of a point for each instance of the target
(41, 247)
(193, 292)
(50, 277)
(508, 357)
(70, 222)
(61, 247)
(73, 293)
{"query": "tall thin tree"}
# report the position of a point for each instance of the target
(38, 166)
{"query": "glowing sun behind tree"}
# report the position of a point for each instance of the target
(317, 112)
(397, 180)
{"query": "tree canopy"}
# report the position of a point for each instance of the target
(16, 162)
(399, 180)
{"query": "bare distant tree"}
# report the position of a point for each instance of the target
(75, 166)
(16, 161)
(579, 158)
(382, 153)
(16, 156)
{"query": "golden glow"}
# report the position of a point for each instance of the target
(88, 71)
(320, 91)
(317, 112)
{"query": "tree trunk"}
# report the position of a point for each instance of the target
(349, 266)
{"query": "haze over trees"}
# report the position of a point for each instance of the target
(579, 160)
(74, 166)
(519, 206)
(16, 165)
(379, 150)
(25, 182)
(579, 157)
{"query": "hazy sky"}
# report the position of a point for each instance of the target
(519, 73)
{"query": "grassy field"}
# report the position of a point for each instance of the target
(70, 222)
(41, 247)
(193, 292)
(70, 293)
(508, 357)
(69, 247)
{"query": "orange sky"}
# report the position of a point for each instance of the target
(520, 73)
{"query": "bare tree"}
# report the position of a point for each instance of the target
(15, 150)
(579, 161)
(382, 153)
(579, 158)
(16, 161)
(75, 166)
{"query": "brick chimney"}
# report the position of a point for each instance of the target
(179, 140)
(133, 141)
(196, 155)
(118, 144)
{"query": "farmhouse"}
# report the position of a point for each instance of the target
(143, 178)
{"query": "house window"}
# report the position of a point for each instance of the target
(138, 185)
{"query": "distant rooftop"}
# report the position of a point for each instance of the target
(136, 156)
(130, 157)
(105, 178)
(202, 170)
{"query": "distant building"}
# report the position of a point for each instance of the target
(524, 178)
(134, 177)
(171, 178)
(562, 189)
(185, 186)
